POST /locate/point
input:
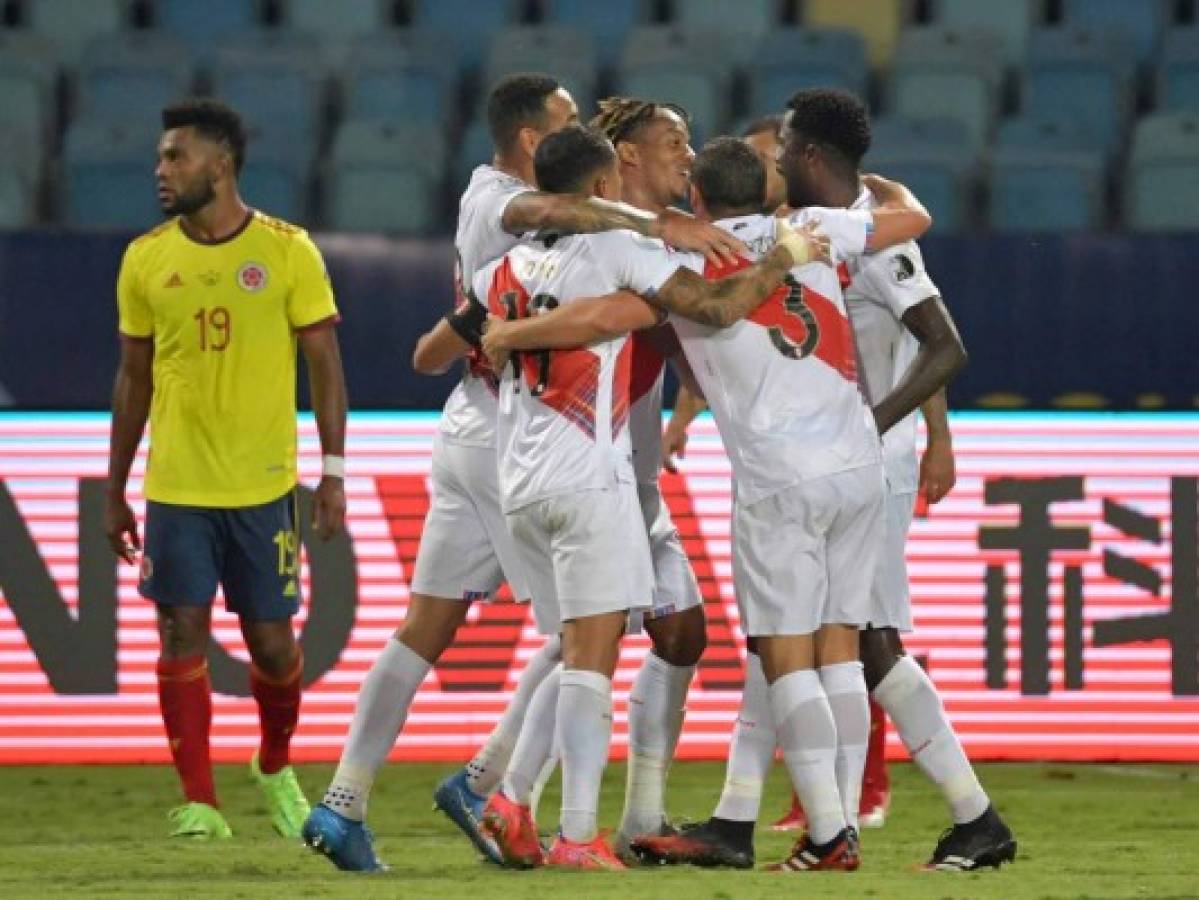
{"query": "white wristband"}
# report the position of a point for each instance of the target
(333, 466)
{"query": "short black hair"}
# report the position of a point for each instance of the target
(212, 120)
(516, 102)
(772, 124)
(834, 118)
(730, 177)
(567, 158)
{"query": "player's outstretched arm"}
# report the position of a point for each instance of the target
(131, 395)
(576, 324)
(328, 387)
(577, 214)
(899, 217)
(439, 348)
(938, 471)
(941, 356)
(726, 301)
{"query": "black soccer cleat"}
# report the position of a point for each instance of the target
(986, 841)
(703, 844)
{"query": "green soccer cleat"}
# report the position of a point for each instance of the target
(284, 799)
(200, 822)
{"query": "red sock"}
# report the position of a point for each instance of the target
(185, 695)
(278, 711)
(875, 775)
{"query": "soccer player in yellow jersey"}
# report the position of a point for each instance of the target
(212, 304)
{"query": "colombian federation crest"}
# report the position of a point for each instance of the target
(252, 277)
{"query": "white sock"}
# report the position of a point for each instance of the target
(752, 751)
(483, 773)
(845, 687)
(657, 704)
(808, 737)
(536, 744)
(382, 708)
(912, 702)
(585, 731)
(543, 777)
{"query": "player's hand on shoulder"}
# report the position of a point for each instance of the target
(329, 508)
(688, 233)
(806, 244)
(120, 527)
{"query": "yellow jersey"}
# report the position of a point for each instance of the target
(223, 317)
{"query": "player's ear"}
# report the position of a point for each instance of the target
(529, 138)
(626, 152)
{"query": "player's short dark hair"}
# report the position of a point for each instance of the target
(730, 176)
(764, 125)
(837, 119)
(566, 159)
(516, 102)
(213, 120)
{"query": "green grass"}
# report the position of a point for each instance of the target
(1084, 831)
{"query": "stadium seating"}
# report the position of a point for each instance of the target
(1039, 190)
(931, 156)
(608, 23)
(790, 59)
(16, 200)
(342, 20)
(877, 21)
(407, 75)
(71, 25)
(132, 72)
(205, 26)
(1178, 73)
(1142, 21)
(473, 149)
(686, 66)
(1163, 187)
(27, 82)
(385, 178)
(1011, 21)
(109, 172)
(1081, 75)
(565, 52)
(742, 20)
(269, 78)
(948, 73)
(276, 174)
(468, 23)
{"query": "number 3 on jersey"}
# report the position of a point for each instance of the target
(793, 327)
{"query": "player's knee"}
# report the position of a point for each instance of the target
(274, 652)
(183, 632)
(680, 639)
(431, 624)
(880, 650)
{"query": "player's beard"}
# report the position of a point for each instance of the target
(192, 201)
(799, 193)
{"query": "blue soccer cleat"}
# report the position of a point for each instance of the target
(348, 844)
(465, 809)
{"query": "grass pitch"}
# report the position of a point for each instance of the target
(1083, 831)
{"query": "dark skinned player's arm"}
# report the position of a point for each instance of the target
(938, 472)
(327, 384)
(131, 394)
(941, 356)
(579, 214)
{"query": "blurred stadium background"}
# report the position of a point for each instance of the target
(1055, 141)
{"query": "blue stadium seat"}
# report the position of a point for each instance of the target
(1163, 183)
(22, 155)
(1142, 21)
(71, 24)
(110, 175)
(1084, 76)
(467, 23)
(16, 200)
(1011, 20)
(341, 20)
(948, 73)
(790, 59)
(270, 79)
(275, 189)
(684, 66)
(564, 52)
(741, 20)
(1178, 73)
(400, 75)
(667, 45)
(139, 71)
(204, 26)
(474, 149)
(608, 23)
(877, 21)
(385, 178)
(1046, 190)
(28, 75)
(932, 157)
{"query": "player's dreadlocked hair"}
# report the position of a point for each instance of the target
(621, 118)
(837, 119)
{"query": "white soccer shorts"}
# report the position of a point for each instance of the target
(890, 600)
(583, 554)
(675, 587)
(805, 557)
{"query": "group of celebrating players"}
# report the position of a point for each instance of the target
(793, 303)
